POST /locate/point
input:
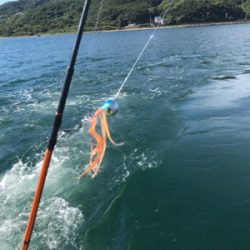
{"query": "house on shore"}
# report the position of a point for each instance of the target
(158, 20)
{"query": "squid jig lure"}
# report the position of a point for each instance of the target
(98, 142)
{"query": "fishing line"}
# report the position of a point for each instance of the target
(99, 130)
(96, 25)
(163, 15)
(99, 15)
(134, 65)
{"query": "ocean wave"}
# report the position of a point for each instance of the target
(57, 222)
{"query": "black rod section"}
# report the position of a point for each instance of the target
(68, 78)
(56, 127)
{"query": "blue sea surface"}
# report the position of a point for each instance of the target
(182, 179)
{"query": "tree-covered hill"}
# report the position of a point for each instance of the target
(193, 11)
(10, 8)
(29, 17)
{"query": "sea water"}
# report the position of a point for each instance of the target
(181, 180)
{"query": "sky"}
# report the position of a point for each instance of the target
(4, 1)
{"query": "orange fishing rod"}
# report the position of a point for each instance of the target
(56, 127)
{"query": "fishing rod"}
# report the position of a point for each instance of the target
(54, 133)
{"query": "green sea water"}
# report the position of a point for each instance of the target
(182, 179)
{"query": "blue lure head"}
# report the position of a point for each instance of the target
(110, 107)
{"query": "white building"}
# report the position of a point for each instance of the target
(159, 20)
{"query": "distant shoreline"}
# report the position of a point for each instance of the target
(191, 25)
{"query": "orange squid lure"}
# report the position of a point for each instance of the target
(98, 142)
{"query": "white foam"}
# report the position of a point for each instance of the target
(57, 222)
(143, 161)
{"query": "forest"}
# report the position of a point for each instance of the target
(31, 17)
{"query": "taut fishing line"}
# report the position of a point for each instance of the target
(163, 15)
(98, 17)
(110, 107)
